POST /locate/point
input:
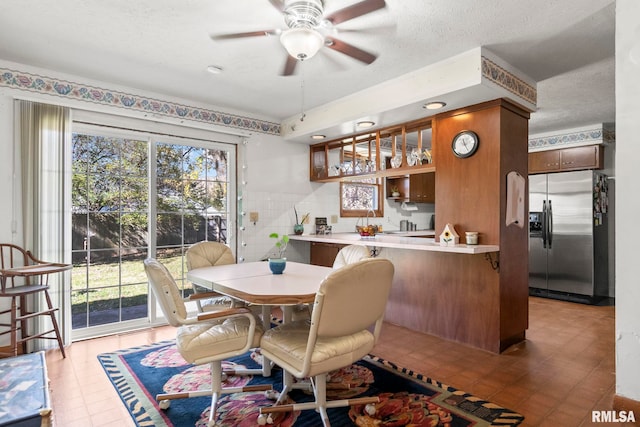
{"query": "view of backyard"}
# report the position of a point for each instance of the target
(123, 204)
(104, 295)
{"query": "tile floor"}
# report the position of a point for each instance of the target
(563, 371)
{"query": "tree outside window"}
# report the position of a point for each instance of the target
(357, 198)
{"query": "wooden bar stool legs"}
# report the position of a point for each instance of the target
(24, 279)
(18, 326)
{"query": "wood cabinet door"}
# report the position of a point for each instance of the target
(588, 157)
(422, 188)
(324, 253)
(566, 159)
(544, 161)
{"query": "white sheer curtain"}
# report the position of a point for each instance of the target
(44, 135)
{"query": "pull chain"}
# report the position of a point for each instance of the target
(302, 114)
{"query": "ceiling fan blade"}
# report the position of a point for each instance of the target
(278, 4)
(353, 11)
(247, 34)
(350, 50)
(289, 66)
(380, 29)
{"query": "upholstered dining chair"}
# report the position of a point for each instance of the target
(349, 301)
(208, 337)
(207, 254)
(350, 254)
(347, 255)
(24, 280)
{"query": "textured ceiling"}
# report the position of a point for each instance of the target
(164, 46)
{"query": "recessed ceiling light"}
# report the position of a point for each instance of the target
(214, 69)
(434, 105)
(365, 124)
(318, 137)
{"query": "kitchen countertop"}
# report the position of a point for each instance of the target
(414, 233)
(393, 240)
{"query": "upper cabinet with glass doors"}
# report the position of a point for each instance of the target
(399, 150)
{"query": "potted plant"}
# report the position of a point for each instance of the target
(298, 227)
(278, 264)
(394, 191)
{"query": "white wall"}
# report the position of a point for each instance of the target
(277, 178)
(628, 202)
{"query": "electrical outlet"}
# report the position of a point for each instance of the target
(334, 219)
(253, 217)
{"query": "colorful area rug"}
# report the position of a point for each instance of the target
(407, 398)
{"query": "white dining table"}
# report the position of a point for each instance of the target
(254, 283)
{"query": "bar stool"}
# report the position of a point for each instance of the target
(24, 279)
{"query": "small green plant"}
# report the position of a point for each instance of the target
(281, 243)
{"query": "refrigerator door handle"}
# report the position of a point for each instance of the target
(544, 224)
(550, 225)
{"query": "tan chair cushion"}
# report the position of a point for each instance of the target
(350, 254)
(161, 282)
(289, 343)
(200, 341)
(206, 254)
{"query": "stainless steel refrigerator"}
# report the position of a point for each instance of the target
(568, 241)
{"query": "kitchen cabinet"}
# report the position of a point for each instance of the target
(369, 154)
(422, 188)
(418, 188)
(399, 184)
(566, 159)
(323, 253)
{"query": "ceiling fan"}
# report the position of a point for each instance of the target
(307, 29)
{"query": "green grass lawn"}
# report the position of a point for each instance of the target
(103, 285)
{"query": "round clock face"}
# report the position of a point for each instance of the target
(465, 144)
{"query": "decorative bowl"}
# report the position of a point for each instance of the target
(367, 230)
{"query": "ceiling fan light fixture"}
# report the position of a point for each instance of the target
(302, 43)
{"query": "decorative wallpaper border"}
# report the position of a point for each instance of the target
(508, 81)
(71, 90)
(581, 137)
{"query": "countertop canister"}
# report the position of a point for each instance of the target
(471, 237)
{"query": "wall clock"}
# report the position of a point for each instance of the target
(465, 144)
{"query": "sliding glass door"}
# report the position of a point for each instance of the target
(137, 195)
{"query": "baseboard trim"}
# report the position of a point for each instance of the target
(621, 403)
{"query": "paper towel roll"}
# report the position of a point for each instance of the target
(408, 206)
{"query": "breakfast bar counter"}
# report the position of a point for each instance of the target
(449, 291)
(409, 240)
